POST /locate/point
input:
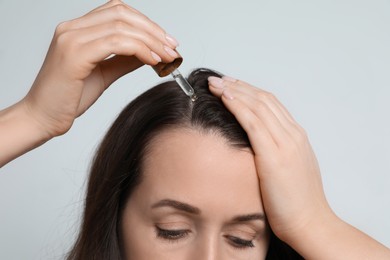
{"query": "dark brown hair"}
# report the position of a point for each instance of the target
(117, 166)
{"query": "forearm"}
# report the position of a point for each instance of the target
(332, 238)
(19, 133)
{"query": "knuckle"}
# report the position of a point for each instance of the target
(156, 26)
(61, 28)
(253, 126)
(270, 95)
(261, 94)
(238, 82)
(115, 40)
(300, 135)
(63, 40)
(120, 9)
(140, 47)
(119, 26)
(68, 42)
(261, 106)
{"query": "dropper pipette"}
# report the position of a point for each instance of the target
(183, 83)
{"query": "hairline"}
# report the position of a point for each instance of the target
(190, 128)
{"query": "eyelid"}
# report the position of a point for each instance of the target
(243, 234)
(239, 243)
(173, 225)
(167, 216)
(172, 235)
(254, 224)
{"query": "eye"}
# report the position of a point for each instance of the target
(171, 234)
(239, 242)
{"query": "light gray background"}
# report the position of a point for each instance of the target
(327, 61)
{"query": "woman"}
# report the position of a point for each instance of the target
(279, 165)
(173, 170)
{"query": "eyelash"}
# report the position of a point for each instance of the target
(240, 243)
(173, 235)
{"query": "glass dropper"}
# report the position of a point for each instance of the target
(183, 83)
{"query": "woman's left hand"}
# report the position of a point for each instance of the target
(290, 181)
(289, 174)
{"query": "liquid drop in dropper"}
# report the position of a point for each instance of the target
(183, 83)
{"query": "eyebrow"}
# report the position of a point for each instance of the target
(177, 205)
(249, 217)
(196, 211)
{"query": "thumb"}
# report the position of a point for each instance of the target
(118, 66)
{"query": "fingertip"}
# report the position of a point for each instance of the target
(172, 40)
(155, 56)
(227, 78)
(147, 59)
(214, 90)
(172, 53)
(227, 94)
(211, 78)
(215, 82)
(218, 86)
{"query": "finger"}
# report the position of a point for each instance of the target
(276, 101)
(251, 92)
(121, 13)
(111, 69)
(265, 97)
(268, 97)
(111, 3)
(259, 135)
(261, 140)
(216, 86)
(121, 31)
(104, 6)
(277, 107)
(118, 66)
(114, 44)
(264, 113)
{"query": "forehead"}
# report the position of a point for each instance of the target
(201, 169)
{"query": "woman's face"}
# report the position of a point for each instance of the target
(199, 199)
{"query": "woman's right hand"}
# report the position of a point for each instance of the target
(78, 66)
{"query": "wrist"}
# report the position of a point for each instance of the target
(36, 127)
(329, 237)
(37, 130)
(19, 132)
(317, 232)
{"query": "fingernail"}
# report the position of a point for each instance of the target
(170, 51)
(227, 94)
(215, 81)
(155, 56)
(172, 40)
(229, 78)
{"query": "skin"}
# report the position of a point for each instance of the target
(217, 179)
(290, 180)
(288, 172)
(67, 85)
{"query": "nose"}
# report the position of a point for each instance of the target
(207, 248)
